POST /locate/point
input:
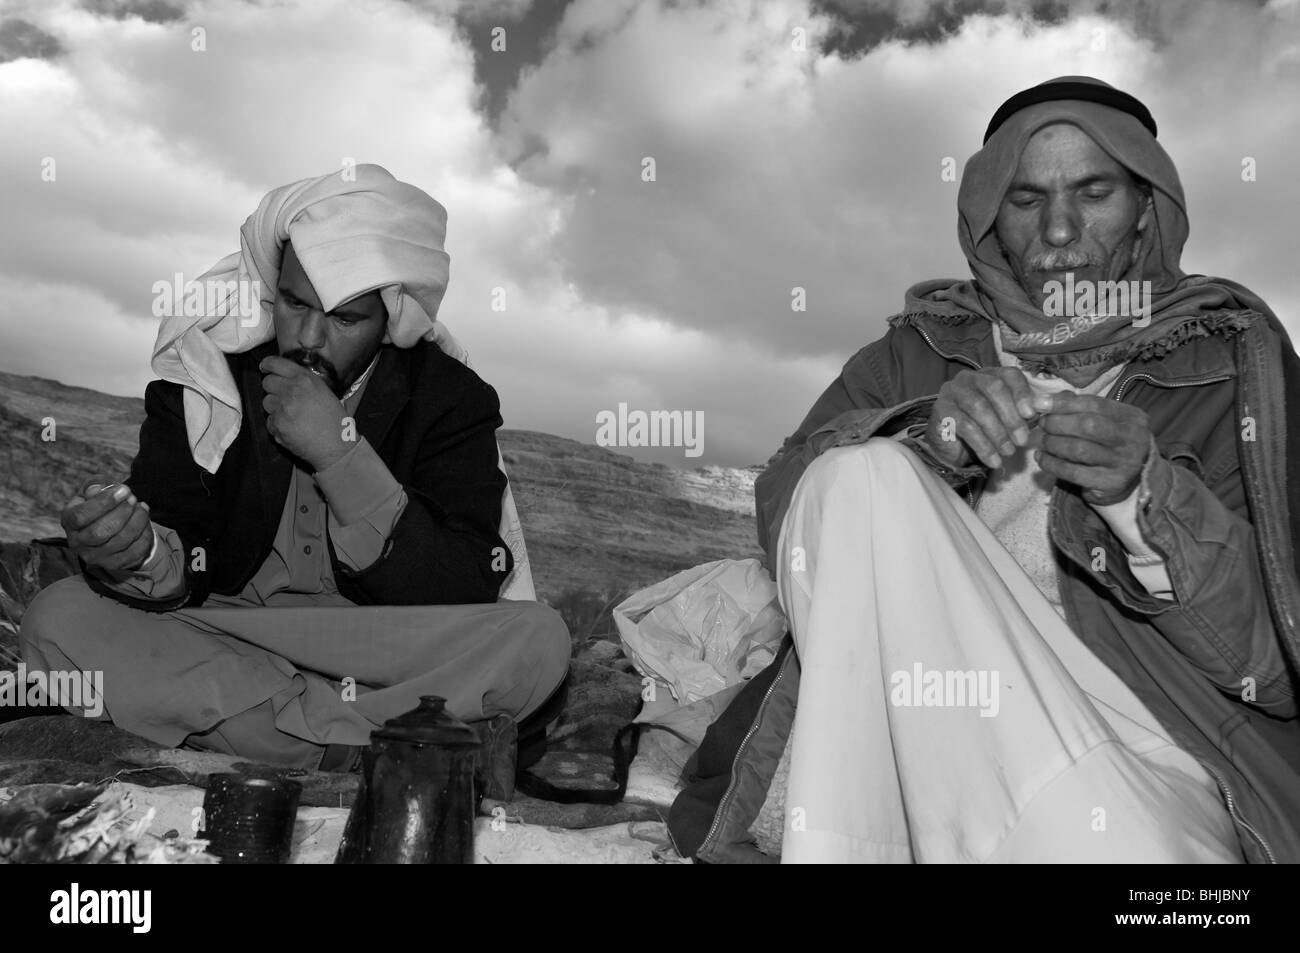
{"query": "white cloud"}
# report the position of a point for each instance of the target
(775, 168)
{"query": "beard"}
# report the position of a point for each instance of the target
(318, 366)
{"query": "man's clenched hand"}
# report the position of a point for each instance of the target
(108, 528)
(304, 415)
(1098, 444)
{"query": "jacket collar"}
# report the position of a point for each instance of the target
(385, 394)
(972, 339)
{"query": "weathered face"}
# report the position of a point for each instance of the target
(1070, 208)
(338, 345)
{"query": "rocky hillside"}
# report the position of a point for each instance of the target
(594, 520)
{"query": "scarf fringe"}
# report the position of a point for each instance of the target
(904, 318)
(1225, 323)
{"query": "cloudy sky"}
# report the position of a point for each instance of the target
(795, 144)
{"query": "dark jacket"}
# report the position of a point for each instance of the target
(431, 419)
(1225, 512)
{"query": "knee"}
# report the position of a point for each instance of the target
(59, 612)
(849, 467)
(549, 645)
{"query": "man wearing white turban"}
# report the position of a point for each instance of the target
(317, 529)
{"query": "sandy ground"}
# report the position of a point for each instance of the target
(497, 839)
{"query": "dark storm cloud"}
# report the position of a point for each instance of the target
(150, 11)
(22, 40)
(528, 37)
(862, 25)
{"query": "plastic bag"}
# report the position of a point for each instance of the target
(705, 628)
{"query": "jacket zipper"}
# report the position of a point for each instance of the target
(1229, 800)
(934, 347)
(744, 743)
(1232, 811)
(1142, 375)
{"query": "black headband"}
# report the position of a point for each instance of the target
(1089, 92)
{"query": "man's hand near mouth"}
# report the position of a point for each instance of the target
(303, 415)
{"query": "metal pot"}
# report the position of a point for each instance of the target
(416, 800)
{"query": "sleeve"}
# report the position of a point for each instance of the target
(1218, 617)
(365, 501)
(444, 547)
(1148, 567)
(162, 575)
(183, 498)
(865, 401)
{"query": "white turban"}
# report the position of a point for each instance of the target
(354, 231)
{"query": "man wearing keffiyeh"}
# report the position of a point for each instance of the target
(1087, 507)
(317, 529)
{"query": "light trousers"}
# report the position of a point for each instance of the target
(280, 683)
(946, 711)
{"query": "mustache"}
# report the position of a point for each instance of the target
(1061, 261)
(314, 362)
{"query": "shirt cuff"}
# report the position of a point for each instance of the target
(1147, 566)
(365, 501)
(357, 484)
(160, 577)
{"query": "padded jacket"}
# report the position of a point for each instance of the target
(1217, 665)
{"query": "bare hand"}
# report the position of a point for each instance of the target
(304, 415)
(109, 529)
(1098, 444)
(981, 415)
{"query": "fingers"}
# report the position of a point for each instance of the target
(1098, 481)
(281, 366)
(77, 516)
(108, 526)
(1068, 402)
(1080, 451)
(134, 524)
(1097, 432)
(131, 556)
(1021, 392)
(1007, 390)
(974, 436)
(1080, 474)
(1085, 425)
(992, 407)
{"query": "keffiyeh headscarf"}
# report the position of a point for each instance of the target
(1080, 348)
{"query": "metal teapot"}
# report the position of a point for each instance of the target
(416, 801)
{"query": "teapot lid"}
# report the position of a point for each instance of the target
(427, 724)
